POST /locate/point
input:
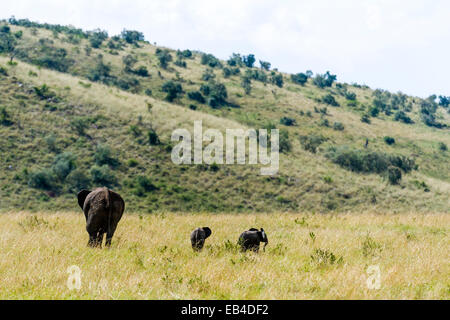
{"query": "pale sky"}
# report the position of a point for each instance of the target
(389, 44)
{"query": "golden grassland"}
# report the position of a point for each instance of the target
(308, 257)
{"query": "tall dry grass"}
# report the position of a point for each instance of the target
(308, 257)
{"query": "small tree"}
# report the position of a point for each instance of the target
(132, 36)
(129, 61)
(173, 89)
(265, 65)
(246, 83)
(299, 78)
(249, 60)
(277, 79)
(394, 175)
(324, 80)
(164, 57)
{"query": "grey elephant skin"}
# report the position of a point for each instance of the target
(198, 237)
(103, 209)
(251, 239)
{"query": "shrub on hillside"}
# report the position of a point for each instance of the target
(442, 146)
(63, 164)
(299, 78)
(365, 118)
(277, 79)
(173, 89)
(164, 57)
(132, 36)
(284, 142)
(103, 175)
(153, 138)
(210, 60)
(265, 65)
(77, 180)
(311, 142)
(394, 175)
(288, 121)
(104, 156)
(389, 140)
(402, 117)
(338, 126)
(5, 118)
(249, 60)
(41, 179)
(329, 99)
(197, 96)
(324, 80)
(368, 161)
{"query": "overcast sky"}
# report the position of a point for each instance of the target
(389, 44)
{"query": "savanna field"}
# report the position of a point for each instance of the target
(320, 256)
(363, 184)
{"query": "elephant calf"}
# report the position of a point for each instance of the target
(103, 209)
(198, 237)
(250, 239)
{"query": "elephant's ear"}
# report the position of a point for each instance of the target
(81, 197)
(207, 232)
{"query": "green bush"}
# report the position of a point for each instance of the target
(79, 124)
(299, 78)
(173, 89)
(41, 179)
(394, 174)
(164, 57)
(249, 60)
(196, 96)
(324, 80)
(389, 140)
(402, 117)
(132, 163)
(338, 126)
(132, 36)
(288, 121)
(5, 118)
(368, 161)
(329, 99)
(180, 63)
(63, 164)
(210, 60)
(153, 138)
(284, 142)
(103, 175)
(143, 185)
(277, 79)
(77, 180)
(104, 156)
(365, 118)
(442, 146)
(311, 142)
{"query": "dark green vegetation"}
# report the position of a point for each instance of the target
(375, 148)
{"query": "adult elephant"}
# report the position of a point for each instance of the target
(103, 209)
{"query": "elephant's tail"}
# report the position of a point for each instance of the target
(109, 208)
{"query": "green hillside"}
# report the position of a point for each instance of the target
(80, 109)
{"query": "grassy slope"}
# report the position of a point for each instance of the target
(149, 261)
(300, 185)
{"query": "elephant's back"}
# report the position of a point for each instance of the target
(197, 234)
(249, 236)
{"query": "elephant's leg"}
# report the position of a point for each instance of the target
(109, 235)
(92, 240)
(99, 239)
